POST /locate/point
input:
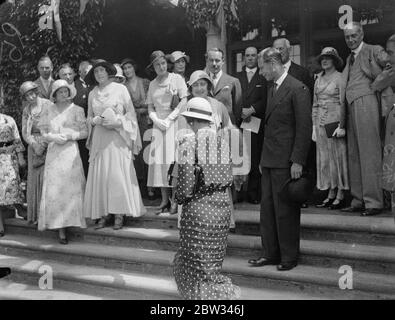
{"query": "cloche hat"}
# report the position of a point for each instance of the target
(199, 108)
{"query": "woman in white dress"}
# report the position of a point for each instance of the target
(64, 181)
(112, 185)
(166, 88)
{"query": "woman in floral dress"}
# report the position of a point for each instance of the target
(34, 109)
(11, 158)
(204, 176)
(64, 180)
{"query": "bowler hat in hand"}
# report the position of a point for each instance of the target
(298, 190)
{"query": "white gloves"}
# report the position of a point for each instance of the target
(57, 138)
(97, 120)
(314, 134)
(160, 123)
(339, 133)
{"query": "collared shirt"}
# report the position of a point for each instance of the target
(46, 83)
(253, 70)
(357, 50)
(287, 66)
(217, 77)
(250, 73)
(280, 80)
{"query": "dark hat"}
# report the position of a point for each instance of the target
(111, 70)
(128, 60)
(332, 53)
(298, 190)
(155, 56)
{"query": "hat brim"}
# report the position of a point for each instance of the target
(90, 77)
(72, 90)
(339, 63)
(196, 115)
(190, 83)
(156, 59)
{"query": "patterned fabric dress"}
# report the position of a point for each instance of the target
(10, 146)
(35, 157)
(205, 218)
(64, 180)
(332, 170)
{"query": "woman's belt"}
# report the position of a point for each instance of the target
(6, 144)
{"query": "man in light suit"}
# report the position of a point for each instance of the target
(287, 136)
(364, 112)
(254, 94)
(227, 89)
(45, 81)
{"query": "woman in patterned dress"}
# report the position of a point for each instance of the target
(332, 170)
(11, 159)
(161, 93)
(204, 175)
(138, 88)
(64, 180)
(112, 186)
(35, 108)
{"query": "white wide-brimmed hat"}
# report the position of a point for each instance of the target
(62, 84)
(199, 108)
(177, 55)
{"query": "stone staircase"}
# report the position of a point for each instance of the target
(136, 262)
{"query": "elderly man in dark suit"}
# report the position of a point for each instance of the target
(45, 81)
(254, 93)
(288, 129)
(227, 89)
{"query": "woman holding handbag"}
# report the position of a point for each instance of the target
(164, 94)
(328, 130)
(35, 108)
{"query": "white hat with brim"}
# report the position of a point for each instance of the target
(199, 108)
(197, 75)
(62, 84)
(177, 55)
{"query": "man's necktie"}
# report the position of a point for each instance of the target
(275, 86)
(250, 74)
(352, 58)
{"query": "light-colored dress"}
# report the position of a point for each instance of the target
(332, 170)
(10, 145)
(162, 148)
(112, 186)
(205, 218)
(64, 180)
(35, 158)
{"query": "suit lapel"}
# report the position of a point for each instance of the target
(220, 84)
(275, 99)
(252, 84)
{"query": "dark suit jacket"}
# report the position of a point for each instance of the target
(288, 125)
(303, 75)
(228, 91)
(254, 93)
(81, 99)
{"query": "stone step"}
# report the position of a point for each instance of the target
(10, 290)
(316, 280)
(320, 224)
(121, 284)
(370, 258)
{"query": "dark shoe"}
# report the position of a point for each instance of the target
(352, 209)
(286, 266)
(260, 262)
(101, 224)
(337, 206)
(163, 208)
(232, 230)
(371, 212)
(2, 233)
(118, 223)
(325, 204)
(63, 241)
(253, 201)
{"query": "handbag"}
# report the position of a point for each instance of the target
(330, 128)
(175, 100)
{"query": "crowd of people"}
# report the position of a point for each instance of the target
(99, 140)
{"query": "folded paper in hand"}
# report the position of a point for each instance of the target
(109, 114)
(252, 125)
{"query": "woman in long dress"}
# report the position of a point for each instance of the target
(138, 88)
(332, 170)
(35, 108)
(204, 175)
(161, 93)
(64, 180)
(112, 186)
(11, 159)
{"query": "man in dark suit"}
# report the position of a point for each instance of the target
(67, 73)
(254, 94)
(45, 81)
(227, 89)
(287, 136)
